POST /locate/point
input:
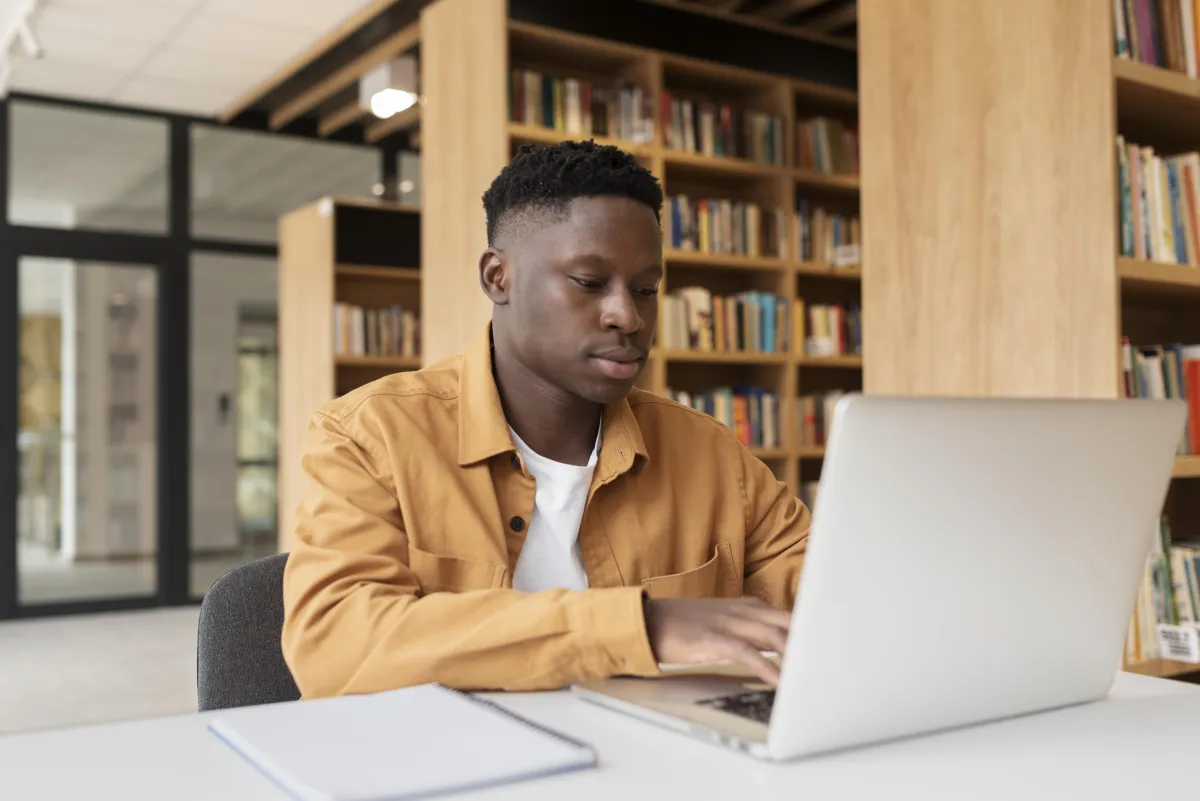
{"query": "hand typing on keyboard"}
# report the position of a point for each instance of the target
(694, 631)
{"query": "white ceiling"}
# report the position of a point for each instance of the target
(192, 56)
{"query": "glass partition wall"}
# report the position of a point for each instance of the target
(138, 402)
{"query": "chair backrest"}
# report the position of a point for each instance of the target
(239, 660)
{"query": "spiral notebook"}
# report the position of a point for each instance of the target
(418, 742)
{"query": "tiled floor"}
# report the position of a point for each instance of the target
(97, 668)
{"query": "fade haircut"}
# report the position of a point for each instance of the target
(545, 179)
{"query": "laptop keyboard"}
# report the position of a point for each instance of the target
(755, 705)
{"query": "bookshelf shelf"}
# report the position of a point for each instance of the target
(1163, 668)
(822, 180)
(1187, 467)
(1158, 278)
(831, 95)
(373, 273)
(522, 132)
(1159, 102)
(847, 362)
(807, 268)
(380, 362)
(693, 258)
(697, 164)
(811, 452)
(720, 357)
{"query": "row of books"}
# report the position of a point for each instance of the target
(714, 129)
(751, 413)
(692, 318)
(1169, 593)
(1160, 204)
(1160, 32)
(832, 239)
(815, 416)
(826, 145)
(1165, 372)
(580, 108)
(724, 226)
(392, 331)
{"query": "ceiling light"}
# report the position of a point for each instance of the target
(390, 88)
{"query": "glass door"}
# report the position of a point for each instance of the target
(87, 431)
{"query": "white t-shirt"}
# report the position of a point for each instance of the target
(550, 557)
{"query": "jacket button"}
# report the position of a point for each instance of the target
(516, 462)
(516, 524)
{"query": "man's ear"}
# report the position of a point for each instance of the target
(495, 275)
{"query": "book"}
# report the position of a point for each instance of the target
(580, 109)
(692, 318)
(390, 331)
(827, 145)
(1159, 204)
(352, 748)
(827, 329)
(720, 225)
(825, 238)
(751, 413)
(1166, 372)
(1158, 32)
(693, 125)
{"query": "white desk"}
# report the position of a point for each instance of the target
(1115, 749)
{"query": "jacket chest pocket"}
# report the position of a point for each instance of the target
(713, 579)
(450, 574)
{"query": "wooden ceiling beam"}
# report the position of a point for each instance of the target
(780, 10)
(835, 19)
(322, 46)
(339, 79)
(335, 121)
(408, 118)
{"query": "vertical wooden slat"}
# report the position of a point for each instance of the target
(464, 64)
(987, 197)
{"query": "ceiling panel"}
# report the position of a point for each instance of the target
(193, 56)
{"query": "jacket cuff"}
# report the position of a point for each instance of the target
(617, 620)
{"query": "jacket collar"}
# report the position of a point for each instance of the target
(483, 429)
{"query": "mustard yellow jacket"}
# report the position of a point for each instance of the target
(405, 543)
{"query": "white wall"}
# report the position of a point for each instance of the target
(221, 285)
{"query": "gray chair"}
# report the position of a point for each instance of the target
(239, 661)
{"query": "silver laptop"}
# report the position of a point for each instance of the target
(970, 559)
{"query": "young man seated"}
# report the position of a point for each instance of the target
(521, 517)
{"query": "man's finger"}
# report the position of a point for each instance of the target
(747, 655)
(764, 613)
(760, 634)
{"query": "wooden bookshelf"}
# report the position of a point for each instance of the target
(1187, 467)
(564, 54)
(723, 357)
(1160, 302)
(335, 250)
(1163, 668)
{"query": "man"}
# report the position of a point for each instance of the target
(520, 517)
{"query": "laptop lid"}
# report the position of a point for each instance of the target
(970, 559)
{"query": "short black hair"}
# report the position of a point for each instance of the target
(547, 178)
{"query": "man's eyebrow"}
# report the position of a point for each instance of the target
(596, 260)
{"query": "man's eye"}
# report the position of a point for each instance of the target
(648, 292)
(588, 283)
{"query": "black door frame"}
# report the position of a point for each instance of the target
(170, 255)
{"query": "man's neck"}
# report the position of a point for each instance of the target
(552, 422)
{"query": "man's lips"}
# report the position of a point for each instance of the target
(620, 365)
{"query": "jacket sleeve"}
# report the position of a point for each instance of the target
(355, 620)
(777, 525)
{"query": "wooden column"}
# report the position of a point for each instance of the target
(464, 138)
(987, 197)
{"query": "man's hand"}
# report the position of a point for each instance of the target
(691, 631)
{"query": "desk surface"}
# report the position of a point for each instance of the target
(1112, 749)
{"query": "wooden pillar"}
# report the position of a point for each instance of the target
(464, 143)
(988, 197)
